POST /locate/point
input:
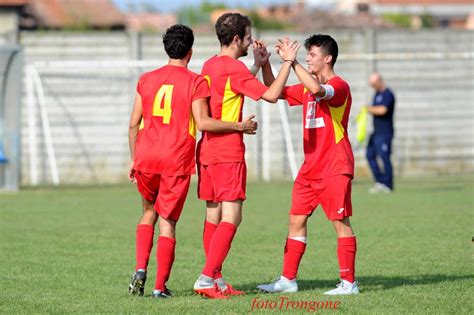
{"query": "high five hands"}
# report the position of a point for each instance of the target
(287, 49)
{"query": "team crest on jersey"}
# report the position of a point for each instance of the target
(311, 120)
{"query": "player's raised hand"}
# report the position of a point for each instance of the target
(260, 53)
(287, 49)
(249, 126)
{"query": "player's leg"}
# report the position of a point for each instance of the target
(219, 248)
(144, 235)
(295, 247)
(146, 184)
(304, 201)
(213, 209)
(165, 255)
(229, 185)
(338, 208)
(213, 218)
(169, 205)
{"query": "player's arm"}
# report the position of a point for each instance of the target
(311, 82)
(287, 51)
(260, 56)
(206, 123)
(133, 128)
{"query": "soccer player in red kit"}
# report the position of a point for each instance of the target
(221, 164)
(325, 176)
(169, 104)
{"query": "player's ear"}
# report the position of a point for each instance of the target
(236, 40)
(328, 59)
(190, 54)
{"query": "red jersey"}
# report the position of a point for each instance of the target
(229, 81)
(167, 137)
(327, 149)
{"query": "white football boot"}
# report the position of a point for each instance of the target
(345, 287)
(282, 285)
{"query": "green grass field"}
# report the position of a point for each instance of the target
(71, 250)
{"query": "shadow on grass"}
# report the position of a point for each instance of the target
(369, 283)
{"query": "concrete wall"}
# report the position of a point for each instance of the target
(89, 107)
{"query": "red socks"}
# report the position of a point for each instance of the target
(165, 259)
(219, 246)
(144, 243)
(294, 251)
(209, 229)
(346, 252)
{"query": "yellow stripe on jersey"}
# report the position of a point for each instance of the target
(208, 79)
(192, 126)
(142, 124)
(231, 104)
(336, 116)
(305, 90)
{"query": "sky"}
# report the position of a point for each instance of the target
(170, 5)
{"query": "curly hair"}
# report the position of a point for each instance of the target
(230, 24)
(326, 42)
(178, 40)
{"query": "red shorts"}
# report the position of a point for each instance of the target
(167, 193)
(222, 181)
(333, 193)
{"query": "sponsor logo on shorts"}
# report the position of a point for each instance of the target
(340, 210)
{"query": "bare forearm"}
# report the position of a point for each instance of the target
(218, 126)
(377, 110)
(274, 91)
(267, 73)
(254, 69)
(132, 139)
(309, 81)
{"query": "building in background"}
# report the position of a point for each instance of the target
(458, 14)
(10, 11)
(18, 15)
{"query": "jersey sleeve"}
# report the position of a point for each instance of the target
(201, 88)
(339, 91)
(245, 83)
(294, 94)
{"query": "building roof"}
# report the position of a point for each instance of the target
(64, 13)
(150, 21)
(13, 3)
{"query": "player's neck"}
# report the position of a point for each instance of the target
(326, 75)
(229, 51)
(178, 62)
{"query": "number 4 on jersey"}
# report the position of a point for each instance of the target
(166, 92)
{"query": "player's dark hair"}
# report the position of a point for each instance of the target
(178, 41)
(326, 43)
(230, 24)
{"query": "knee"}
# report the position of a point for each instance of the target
(343, 227)
(149, 216)
(167, 227)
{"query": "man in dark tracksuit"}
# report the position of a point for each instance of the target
(380, 142)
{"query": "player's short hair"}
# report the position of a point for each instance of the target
(230, 24)
(326, 42)
(178, 41)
